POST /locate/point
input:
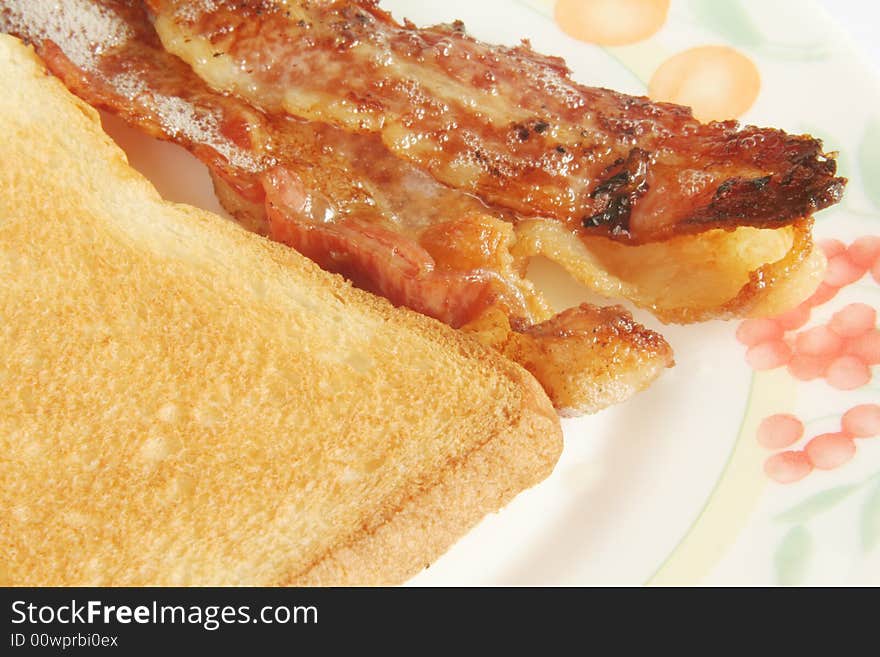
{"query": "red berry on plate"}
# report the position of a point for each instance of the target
(853, 320)
(788, 467)
(823, 294)
(780, 430)
(768, 355)
(842, 271)
(832, 247)
(848, 373)
(794, 318)
(862, 421)
(818, 341)
(830, 450)
(866, 347)
(755, 331)
(806, 368)
(864, 251)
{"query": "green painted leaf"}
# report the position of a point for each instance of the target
(798, 52)
(729, 19)
(869, 160)
(793, 555)
(871, 520)
(817, 504)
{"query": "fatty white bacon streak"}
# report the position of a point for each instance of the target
(346, 202)
(506, 124)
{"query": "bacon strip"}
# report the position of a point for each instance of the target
(346, 202)
(506, 124)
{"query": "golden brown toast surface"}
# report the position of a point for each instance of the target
(187, 403)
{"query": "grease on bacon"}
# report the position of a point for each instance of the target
(347, 202)
(506, 124)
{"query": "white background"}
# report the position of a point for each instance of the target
(860, 19)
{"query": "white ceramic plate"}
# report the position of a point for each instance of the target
(676, 485)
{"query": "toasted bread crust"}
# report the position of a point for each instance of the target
(98, 491)
(427, 524)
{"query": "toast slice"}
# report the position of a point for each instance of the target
(185, 402)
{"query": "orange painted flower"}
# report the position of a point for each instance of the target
(611, 22)
(718, 82)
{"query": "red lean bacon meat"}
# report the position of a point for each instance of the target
(347, 202)
(506, 124)
(584, 170)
